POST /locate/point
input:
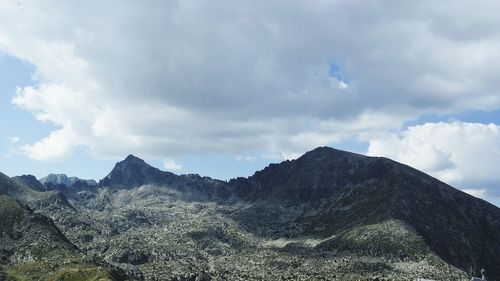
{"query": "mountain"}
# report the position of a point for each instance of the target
(25, 189)
(33, 248)
(31, 181)
(134, 172)
(52, 181)
(329, 214)
(349, 191)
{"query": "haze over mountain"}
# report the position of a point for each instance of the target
(329, 214)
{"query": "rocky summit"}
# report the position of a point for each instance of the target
(57, 181)
(328, 215)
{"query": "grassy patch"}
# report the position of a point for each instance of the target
(10, 213)
(51, 272)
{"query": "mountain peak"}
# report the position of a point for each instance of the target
(133, 172)
(133, 158)
(27, 176)
(53, 180)
(56, 179)
(30, 181)
(132, 162)
(326, 151)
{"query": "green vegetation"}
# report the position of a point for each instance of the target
(53, 272)
(390, 238)
(10, 213)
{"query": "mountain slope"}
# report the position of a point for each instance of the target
(30, 181)
(340, 191)
(22, 230)
(33, 248)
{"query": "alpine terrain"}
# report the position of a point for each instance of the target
(328, 215)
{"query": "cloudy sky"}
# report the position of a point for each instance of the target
(222, 88)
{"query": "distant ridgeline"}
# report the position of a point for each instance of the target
(329, 214)
(61, 180)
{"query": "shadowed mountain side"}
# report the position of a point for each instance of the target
(31, 182)
(336, 191)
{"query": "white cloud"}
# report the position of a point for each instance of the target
(170, 78)
(62, 106)
(171, 165)
(57, 146)
(465, 155)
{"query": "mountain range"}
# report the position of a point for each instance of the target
(328, 215)
(52, 181)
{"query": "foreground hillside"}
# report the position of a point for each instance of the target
(33, 248)
(329, 215)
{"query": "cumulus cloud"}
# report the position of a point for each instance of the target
(56, 104)
(169, 78)
(462, 154)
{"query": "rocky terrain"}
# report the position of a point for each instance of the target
(54, 180)
(33, 248)
(329, 215)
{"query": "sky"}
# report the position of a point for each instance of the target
(223, 88)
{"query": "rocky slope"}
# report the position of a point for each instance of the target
(152, 230)
(356, 190)
(33, 248)
(26, 189)
(328, 215)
